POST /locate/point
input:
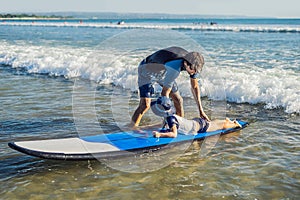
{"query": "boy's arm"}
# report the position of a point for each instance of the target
(171, 134)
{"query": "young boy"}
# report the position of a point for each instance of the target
(177, 124)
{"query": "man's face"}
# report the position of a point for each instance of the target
(188, 68)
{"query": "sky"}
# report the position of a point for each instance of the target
(252, 8)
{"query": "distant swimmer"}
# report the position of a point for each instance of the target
(121, 22)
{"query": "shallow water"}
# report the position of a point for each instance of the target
(49, 89)
(259, 162)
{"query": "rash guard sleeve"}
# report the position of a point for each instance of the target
(171, 120)
(172, 72)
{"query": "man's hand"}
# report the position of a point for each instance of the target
(204, 116)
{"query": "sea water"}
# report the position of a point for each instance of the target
(58, 78)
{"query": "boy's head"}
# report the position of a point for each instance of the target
(162, 107)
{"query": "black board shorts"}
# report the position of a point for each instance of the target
(204, 124)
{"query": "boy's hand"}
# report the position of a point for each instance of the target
(156, 134)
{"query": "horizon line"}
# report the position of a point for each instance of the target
(150, 13)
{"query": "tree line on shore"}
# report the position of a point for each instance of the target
(8, 16)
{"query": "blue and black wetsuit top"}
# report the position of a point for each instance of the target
(162, 67)
(165, 56)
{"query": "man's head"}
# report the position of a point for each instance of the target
(195, 61)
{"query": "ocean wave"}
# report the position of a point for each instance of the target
(274, 87)
(196, 27)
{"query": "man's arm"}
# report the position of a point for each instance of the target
(196, 93)
(170, 75)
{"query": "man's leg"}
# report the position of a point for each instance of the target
(178, 103)
(143, 107)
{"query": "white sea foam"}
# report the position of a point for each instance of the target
(203, 27)
(274, 87)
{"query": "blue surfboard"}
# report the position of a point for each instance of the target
(107, 145)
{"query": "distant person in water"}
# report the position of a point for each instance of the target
(176, 124)
(163, 67)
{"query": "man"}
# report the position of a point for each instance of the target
(163, 67)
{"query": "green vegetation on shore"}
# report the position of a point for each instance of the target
(11, 16)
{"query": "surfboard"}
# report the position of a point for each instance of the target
(107, 145)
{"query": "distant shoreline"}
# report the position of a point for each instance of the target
(35, 18)
(121, 16)
(31, 17)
